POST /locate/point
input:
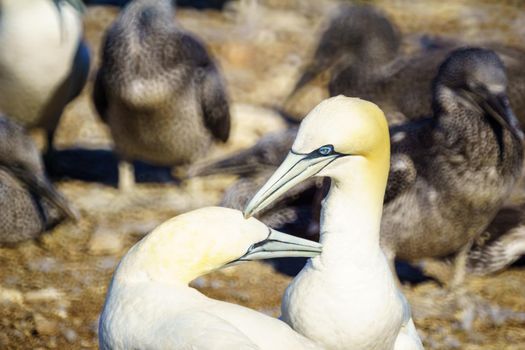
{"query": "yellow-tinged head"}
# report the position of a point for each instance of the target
(351, 125)
(344, 138)
(197, 242)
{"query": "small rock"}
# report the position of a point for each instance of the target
(43, 295)
(11, 296)
(93, 326)
(107, 263)
(86, 344)
(45, 265)
(4, 340)
(45, 326)
(70, 335)
(452, 343)
(52, 342)
(104, 242)
(61, 310)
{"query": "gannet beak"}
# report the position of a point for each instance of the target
(281, 245)
(499, 108)
(294, 169)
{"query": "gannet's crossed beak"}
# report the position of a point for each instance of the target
(280, 245)
(294, 169)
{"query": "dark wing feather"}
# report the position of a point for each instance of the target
(68, 90)
(401, 177)
(212, 90)
(214, 103)
(80, 72)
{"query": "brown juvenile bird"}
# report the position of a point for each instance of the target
(29, 204)
(451, 173)
(159, 90)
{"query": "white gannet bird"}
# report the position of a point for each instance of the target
(347, 297)
(149, 304)
(44, 62)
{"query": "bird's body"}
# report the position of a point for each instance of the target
(346, 298)
(403, 87)
(43, 61)
(29, 204)
(150, 305)
(452, 172)
(158, 89)
(179, 317)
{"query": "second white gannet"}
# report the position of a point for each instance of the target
(347, 297)
(149, 304)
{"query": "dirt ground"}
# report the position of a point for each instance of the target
(52, 290)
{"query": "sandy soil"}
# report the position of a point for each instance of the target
(52, 290)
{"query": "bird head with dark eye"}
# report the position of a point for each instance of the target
(476, 77)
(341, 138)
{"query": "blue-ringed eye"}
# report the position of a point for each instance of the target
(326, 150)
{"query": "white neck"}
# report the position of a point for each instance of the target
(351, 219)
(347, 298)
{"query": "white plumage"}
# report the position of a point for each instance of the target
(346, 298)
(149, 304)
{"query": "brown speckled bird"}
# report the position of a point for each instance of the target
(451, 173)
(29, 204)
(158, 89)
(360, 36)
(360, 48)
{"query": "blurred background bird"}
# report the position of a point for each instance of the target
(361, 51)
(29, 204)
(44, 61)
(158, 90)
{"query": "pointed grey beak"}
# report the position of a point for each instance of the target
(294, 169)
(281, 245)
(499, 107)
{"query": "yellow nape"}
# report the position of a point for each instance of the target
(190, 245)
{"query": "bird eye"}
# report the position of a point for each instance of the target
(326, 150)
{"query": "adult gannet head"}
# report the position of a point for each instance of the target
(197, 242)
(337, 136)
